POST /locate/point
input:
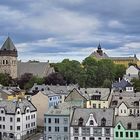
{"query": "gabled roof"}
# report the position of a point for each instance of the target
(84, 96)
(40, 69)
(10, 106)
(121, 84)
(98, 114)
(8, 45)
(128, 119)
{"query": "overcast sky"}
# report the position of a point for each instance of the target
(57, 29)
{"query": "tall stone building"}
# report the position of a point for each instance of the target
(9, 63)
(8, 58)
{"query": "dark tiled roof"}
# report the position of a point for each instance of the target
(122, 84)
(9, 45)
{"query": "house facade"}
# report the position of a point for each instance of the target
(98, 97)
(57, 124)
(92, 124)
(77, 97)
(127, 128)
(17, 119)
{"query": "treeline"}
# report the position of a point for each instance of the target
(89, 73)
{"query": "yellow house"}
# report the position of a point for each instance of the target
(16, 95)
(98, 97)
(125, 60)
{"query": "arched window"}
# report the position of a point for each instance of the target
(80, 123)
(103, 122)
(119, 127)
(3, 62)
(6, 61)
(136, 103)
(91, 122)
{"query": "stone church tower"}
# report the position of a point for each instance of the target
(8, 58)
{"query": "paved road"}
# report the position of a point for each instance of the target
(35, 137)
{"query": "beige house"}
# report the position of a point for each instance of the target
(40, 101)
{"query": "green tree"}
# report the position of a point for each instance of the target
(120, 70)
(90, 66)
(5, 79)
(107, 83)
(106, 70)
(70, 70)
(136, 84)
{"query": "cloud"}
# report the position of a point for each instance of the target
(115, 24)
(67, 28)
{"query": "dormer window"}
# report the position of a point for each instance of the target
(18, 112)
(119, 127)
(2, 111)
(138, 126)
(114, 102)
(91, 122)
(80, 122)
(103, 122)
(27, 110)
(136, 103)
(129, 126)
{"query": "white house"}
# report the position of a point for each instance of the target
(17, 119)
(126, 104)
(132, 72)
(92, 124)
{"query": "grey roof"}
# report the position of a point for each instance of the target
(62, 109)
(121, 84)
(98, 114)
(40, 69)
(11, 106)
(89, 92)
(128, 119)
(127, 98)
(53, 89)
(97, 55)
(8, 45)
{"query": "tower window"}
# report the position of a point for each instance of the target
(6, 61)
(3, 62)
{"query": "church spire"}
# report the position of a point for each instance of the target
(99, 50)
(8, 45)
(99, 47)
(8, 48)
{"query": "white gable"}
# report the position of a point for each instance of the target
(132, 70)
(91, 118)
(123, 110)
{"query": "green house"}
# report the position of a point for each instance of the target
(127, 128)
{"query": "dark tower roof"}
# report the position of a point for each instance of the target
(8, 48)
(99, 47)
(99, 50)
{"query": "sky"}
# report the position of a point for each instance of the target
(57, 29)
